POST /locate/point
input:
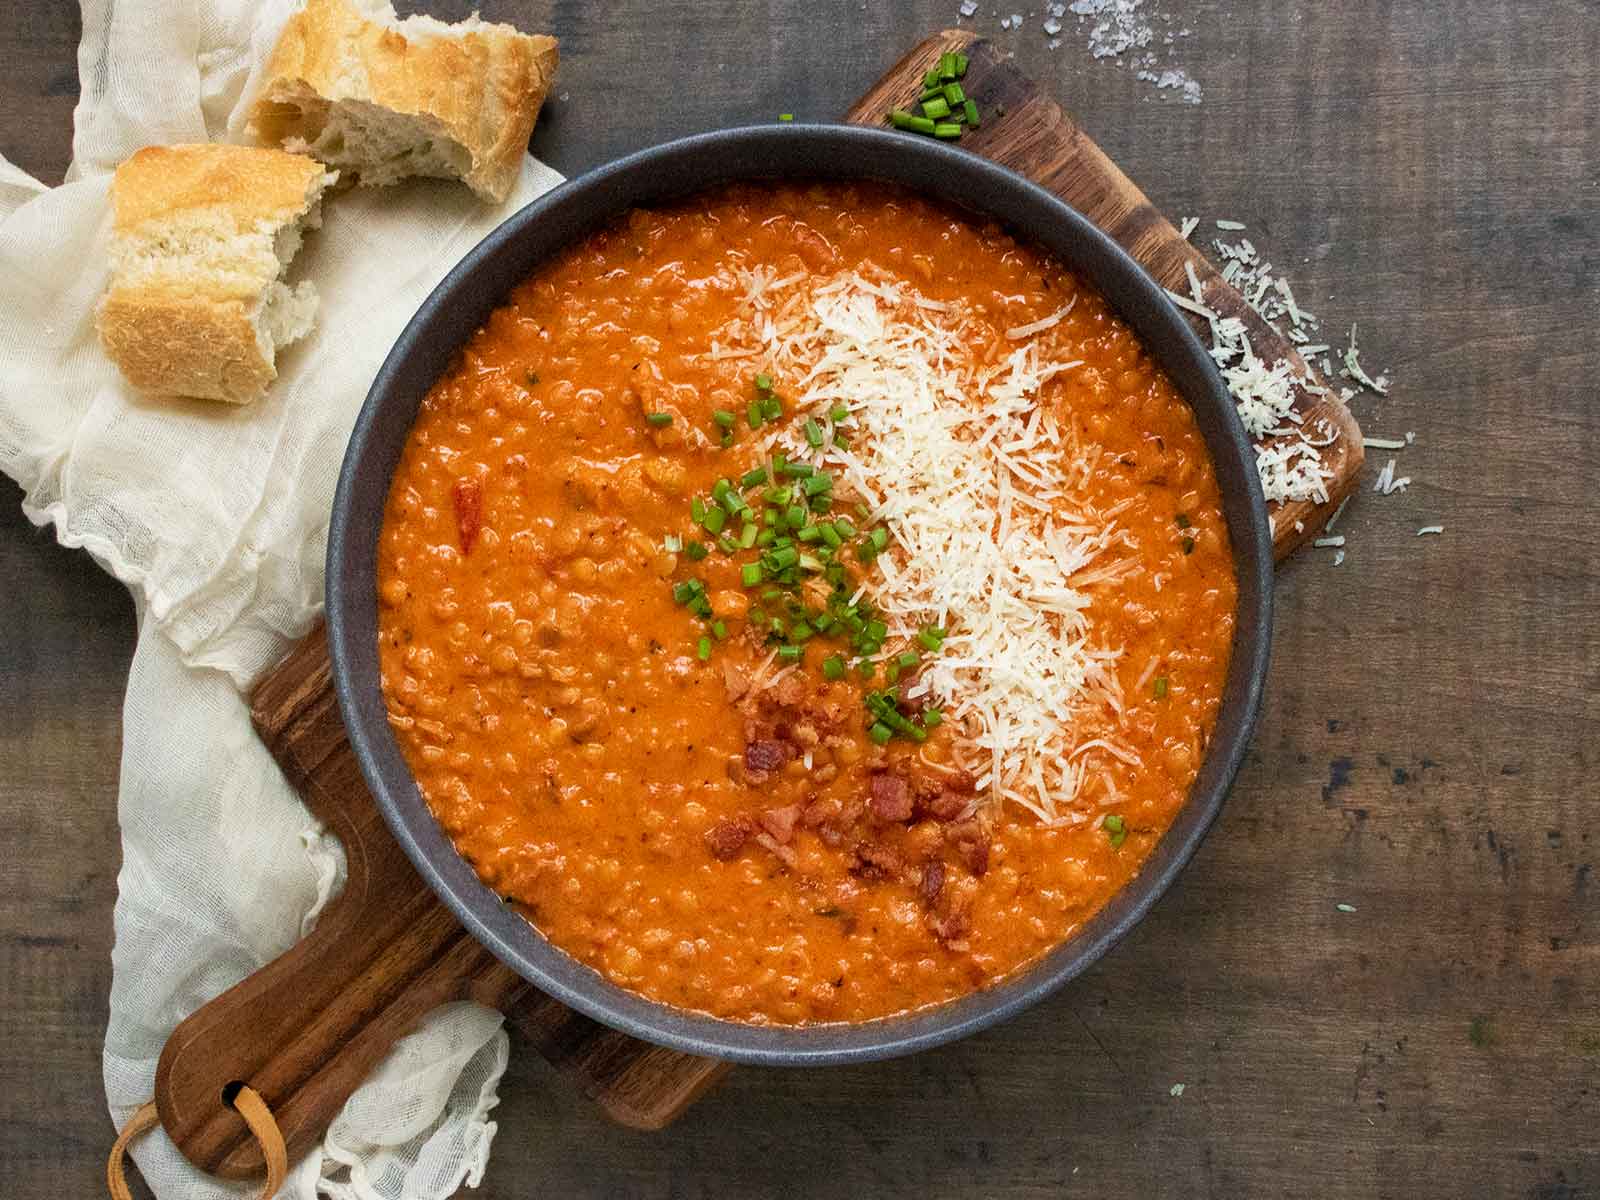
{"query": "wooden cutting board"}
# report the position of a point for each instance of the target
(307, 1028)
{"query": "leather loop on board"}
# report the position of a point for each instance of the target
(246, 1103)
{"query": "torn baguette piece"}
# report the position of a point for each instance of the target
(201, 237)
(382, 98)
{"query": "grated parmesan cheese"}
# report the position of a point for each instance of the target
(982, 493)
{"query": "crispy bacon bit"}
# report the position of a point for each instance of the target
(890, 798)
(876, 862)
(766, 755)
(741, 774)
(819, 811)
(468, 497)
(727, 837)
(952, 929)
(971, 842)
(789, 691)
(945, 806)
(780, 822)
(932, 881)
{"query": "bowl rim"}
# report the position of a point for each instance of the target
(682, 167)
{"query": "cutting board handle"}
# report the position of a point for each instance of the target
(306, 1029)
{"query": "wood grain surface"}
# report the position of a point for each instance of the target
(1432, 726)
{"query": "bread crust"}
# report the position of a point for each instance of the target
(195, 345)
(173, 326)
(247, 183)
(483, 87)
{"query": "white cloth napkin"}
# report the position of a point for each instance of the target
(216, 518)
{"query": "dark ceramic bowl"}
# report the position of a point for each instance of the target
(456, 309)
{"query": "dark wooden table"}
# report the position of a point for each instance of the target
(1431, 738)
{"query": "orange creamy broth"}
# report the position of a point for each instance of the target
(546, 690)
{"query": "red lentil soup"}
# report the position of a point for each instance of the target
(628, 667)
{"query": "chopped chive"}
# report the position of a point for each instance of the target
(880, 538)
(658, 419)
(1115, 829)
(750, 575)
(1160, 687)
(778, 495)
(696, 551)
(880, 733)
(900, 118)
(876, 630)
(961, 65)
(703, 651)
(672, 543)
(753, 416)
(908, 659)
(753, 478)
(771, 408)
(866, 552)
(843, 528)
(947, 65)
(715, 519)
(765, 538)
(777, 628)
(931, 79)
(727, 544)
(800, 631)
(719, 630)
(798, 470)
(1188, 545)
(810, 533)
(813, 433)
(810, 562)
(864, 669)
(682, 593)
(785, 116)
(948, 130)
(891, 671)
(937, 108)
(720, 489)
(697, 510)
(790, 653)
(747, 535)
(831, 535)
(833, 667)
(1182, 520)
(838, 413)
(722, 417)
(954, 96)
(970, 111)
(930, 639)
(796, 516)
(932, 719)
(785, 556)
(920, 124)
(764, 383)
(821, 504)
(815, 485)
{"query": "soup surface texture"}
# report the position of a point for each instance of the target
(804, 604)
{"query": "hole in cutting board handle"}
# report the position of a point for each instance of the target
(231, 1090)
